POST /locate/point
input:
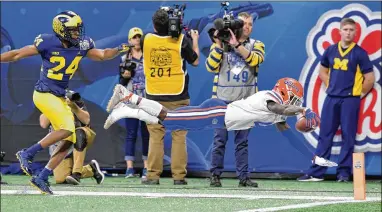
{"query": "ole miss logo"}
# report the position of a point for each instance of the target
(326, 33)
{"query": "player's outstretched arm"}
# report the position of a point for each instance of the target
(285, 110)
(291, 110)
(107, 54)
(18, 54)
(102, 54)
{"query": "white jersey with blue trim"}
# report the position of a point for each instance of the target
(253, 111)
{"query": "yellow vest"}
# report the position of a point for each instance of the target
(163, 65)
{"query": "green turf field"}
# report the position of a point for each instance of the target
(119, 194)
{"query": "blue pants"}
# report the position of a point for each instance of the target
(337, 111)
(209, 115)
(131, 138)
(241, 152)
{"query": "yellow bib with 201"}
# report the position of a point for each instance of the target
(163, 65)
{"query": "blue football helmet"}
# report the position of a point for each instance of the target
(68, 26)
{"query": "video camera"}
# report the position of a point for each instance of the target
(175, 22)
(223, 24)
(72, 95)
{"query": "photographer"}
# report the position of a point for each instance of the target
(71, 169)
(235, 78)
(167, 82)
(2, 155)
(132, 77)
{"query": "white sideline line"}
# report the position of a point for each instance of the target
(142, 194)
(305, 205)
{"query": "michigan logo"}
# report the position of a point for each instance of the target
(326, 33)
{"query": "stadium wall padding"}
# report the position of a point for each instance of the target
(294, 34)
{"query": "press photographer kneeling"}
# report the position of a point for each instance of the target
(71, 169)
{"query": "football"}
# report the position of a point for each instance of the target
(301, 126)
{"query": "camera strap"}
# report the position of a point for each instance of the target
(129, 55)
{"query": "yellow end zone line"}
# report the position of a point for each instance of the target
(182, 195)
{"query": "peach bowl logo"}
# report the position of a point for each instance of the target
(326, 33)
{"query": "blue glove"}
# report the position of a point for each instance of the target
(310, 117)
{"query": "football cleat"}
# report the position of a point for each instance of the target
(42, 185)
(120, 94)
(124, 111)
(25, 162)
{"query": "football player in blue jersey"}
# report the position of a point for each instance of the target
(61, 53)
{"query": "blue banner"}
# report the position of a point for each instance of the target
(295, 34)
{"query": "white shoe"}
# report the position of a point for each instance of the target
(120, 93)
(323, 162)
(120, 112)
(307, 178)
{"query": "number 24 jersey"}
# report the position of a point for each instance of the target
(58, 63)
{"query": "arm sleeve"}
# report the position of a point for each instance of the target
(187, 52)
(41, 42)
(214, 59)
(256, 57)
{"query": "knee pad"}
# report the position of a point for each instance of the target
(81, 142)
(90, 135)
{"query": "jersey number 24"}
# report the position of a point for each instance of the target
(55, 72)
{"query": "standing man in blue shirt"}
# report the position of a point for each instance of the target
(348, 75)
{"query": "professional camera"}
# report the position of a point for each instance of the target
(72, 95)
(223, 24)
(175, 22)
(128, 65)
